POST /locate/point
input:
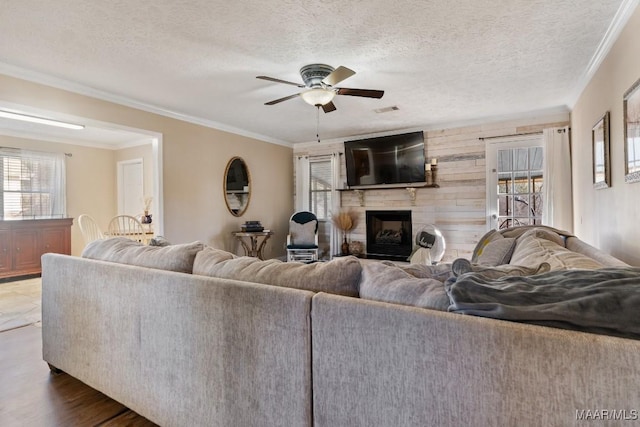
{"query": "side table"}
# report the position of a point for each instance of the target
(256, 240)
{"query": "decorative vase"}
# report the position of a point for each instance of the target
(356, 248)
(146, 218)
(344, 249)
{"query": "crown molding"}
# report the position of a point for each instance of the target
(56, 82)
(626, 9)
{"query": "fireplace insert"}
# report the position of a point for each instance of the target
(389, 235)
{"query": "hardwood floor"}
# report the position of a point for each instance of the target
(30, 396)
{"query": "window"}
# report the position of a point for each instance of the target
(515, 182)
(320, 188)
(33, 185)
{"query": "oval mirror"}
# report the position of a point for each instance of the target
(237, 186)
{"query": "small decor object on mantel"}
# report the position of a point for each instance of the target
(344, 220)
(428, 174)
(434, 170)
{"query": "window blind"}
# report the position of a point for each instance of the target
(33, 184)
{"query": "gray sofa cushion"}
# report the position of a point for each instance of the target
(340, 276)
(178, 258)
(390, 283)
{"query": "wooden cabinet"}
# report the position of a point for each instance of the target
(22, 243)
(5, 251)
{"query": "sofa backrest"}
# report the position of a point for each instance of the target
(534, 244)
(177, 258)
(577, 245)
(180, 349)
(379, 364)
(338, 276)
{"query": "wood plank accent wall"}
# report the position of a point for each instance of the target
(458, 207)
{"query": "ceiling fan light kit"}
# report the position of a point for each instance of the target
(320, 81)
(318, 97)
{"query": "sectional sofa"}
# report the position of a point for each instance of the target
(191, 335)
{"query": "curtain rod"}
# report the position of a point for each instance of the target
(13, 148)
(482, 138)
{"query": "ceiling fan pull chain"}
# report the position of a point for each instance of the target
(318, 122)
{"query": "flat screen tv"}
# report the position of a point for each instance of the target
(385, 160)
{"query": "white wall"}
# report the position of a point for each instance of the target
(608, 218)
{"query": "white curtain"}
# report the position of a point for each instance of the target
(335, 200)
(302, 183)
(558, 204)
(58, 192)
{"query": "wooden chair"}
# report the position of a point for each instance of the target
(127, 226)
(89, 229)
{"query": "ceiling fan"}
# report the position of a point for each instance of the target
(319, 82)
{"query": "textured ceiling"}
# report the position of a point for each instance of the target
(440, 62)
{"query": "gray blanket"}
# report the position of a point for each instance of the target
(604, 301)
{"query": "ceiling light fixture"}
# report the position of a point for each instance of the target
(40, 120)
(318, 96)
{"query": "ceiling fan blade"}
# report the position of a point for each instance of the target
(272, 79)
(339, 74)
(367, 93)
(276, 101)
(329, 107)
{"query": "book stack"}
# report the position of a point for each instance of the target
(250, 226)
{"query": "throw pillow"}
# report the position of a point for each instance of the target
(303, 234)
(490, 236)
(392, 284)
(339, 276)
(178, 258)
(543, 233)
(531, 251)
(497, 252)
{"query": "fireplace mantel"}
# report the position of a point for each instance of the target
(411, 189)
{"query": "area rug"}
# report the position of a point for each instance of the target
(20, 303)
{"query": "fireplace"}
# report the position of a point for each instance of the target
(389, 235)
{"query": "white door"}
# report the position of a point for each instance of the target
(515, 182)
(130, 187)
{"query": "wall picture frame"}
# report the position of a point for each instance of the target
(601, 159)
(631, 114)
